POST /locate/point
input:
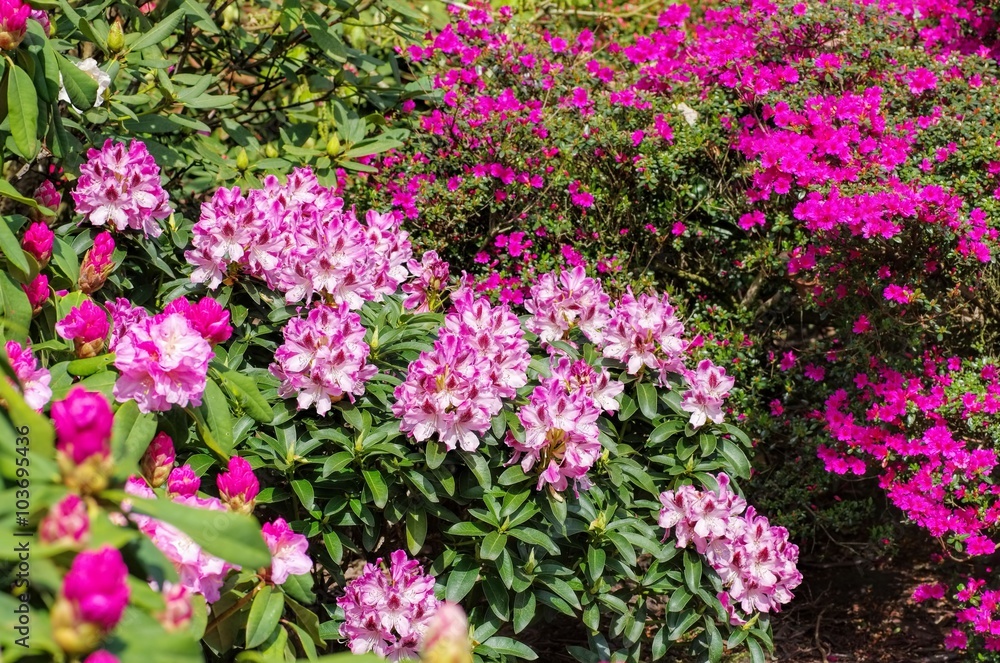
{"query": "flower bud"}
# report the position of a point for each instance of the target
(83, 423)
(179, 610)
(333, 146)
(73, 635)
(242, 160)
(101, 656)
(271, 151)
(207, 317)
(13, 23)
(238, 487)
(447, 637)
(230, 16)
(46, 195)
(37, 241)
(97, 264)
(66, 524)
(183, 482)
(93, 598)
(116, 37)
(37, 292)
(158, 460)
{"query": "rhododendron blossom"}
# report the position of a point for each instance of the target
(571, 300)
(96, 587)
(324, 358)
(87, 326)
(388, 610)
(34, 379)
(754, 559)
(163, 362)
(288, 551)
(644, 332)
(709, 386)
(122, 186)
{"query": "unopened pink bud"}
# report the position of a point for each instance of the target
(183, 481)
(46, 194)
(83, 423)
(101, 656)
(13, 23)
(37, 241)
(158, 460)
(66, 524)
(97, 264)
(238, 487)
(97, 586)
(37, 292)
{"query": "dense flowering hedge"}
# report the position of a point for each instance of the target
(248, 421)
(820, 176)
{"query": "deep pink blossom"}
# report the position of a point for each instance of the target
(97, 586)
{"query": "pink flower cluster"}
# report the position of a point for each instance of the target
(83, 422)
(324, 357)
(709, 386)
(479, 358)
(34, 379)
(754, 559)
(163, 359)
(387, 611)
(430, 276)
(560, 424)
(571, 300)
(122, 186)
(644, 332)
(87, 326)
(300, 240)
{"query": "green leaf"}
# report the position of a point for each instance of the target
(15, 307)
(511, 647)
(265, 612)
(22, 105)
(595, 563)
(7, 190)
(756, 651)
(497, 597)
(646, 393)
(90, 365)
(12, 248)
(159, 32)
(380, 491)
(461, 580)
(480, 469)
(666, 430)
(524, 610)
(692, 570)
(493, 545)
(435, 454)
(131, 435)
(219, 420)
(714, 640)
(689, 619)
(303, 488)
(81, 88)
(534, 537)
(736, 458)
(243, 389)
(233, 537)
(416, 530)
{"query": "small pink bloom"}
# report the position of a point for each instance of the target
(37, 292)
(238, 486)
(288, 551)
(34, 380)
(158, 460)
(66, 523)
(37, 241)
(183, 482)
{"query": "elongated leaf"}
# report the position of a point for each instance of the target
(692, 571)
(12, 248)
(646, 393)
(736, 458)
(15, 307)
(81, 88)
(131, 435)
(234, 537)
(218, 417)
(461, 580)
(265, 612)
(497, 597)
(159, 32)
(380, 491)
(416, 530)
(243, 389)
(22, 106)
(435, 454)
(493, 545)
(524, 610)
(511, 647)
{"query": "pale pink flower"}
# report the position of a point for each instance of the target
(289, 551)
(34, 380)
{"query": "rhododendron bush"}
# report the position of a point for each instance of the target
(245, 418)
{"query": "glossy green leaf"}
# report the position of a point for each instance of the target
(265, 612)
(22, 104)
(493, 545)
(234, 537)
(524, 610)
(376, 483)
(131, 434)
(646, 395)
(243, 389)
(159, 32)
(81, 88)
(511, 647)
(11, 247)
(215, 409)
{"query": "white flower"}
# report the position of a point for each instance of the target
(89, 67)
